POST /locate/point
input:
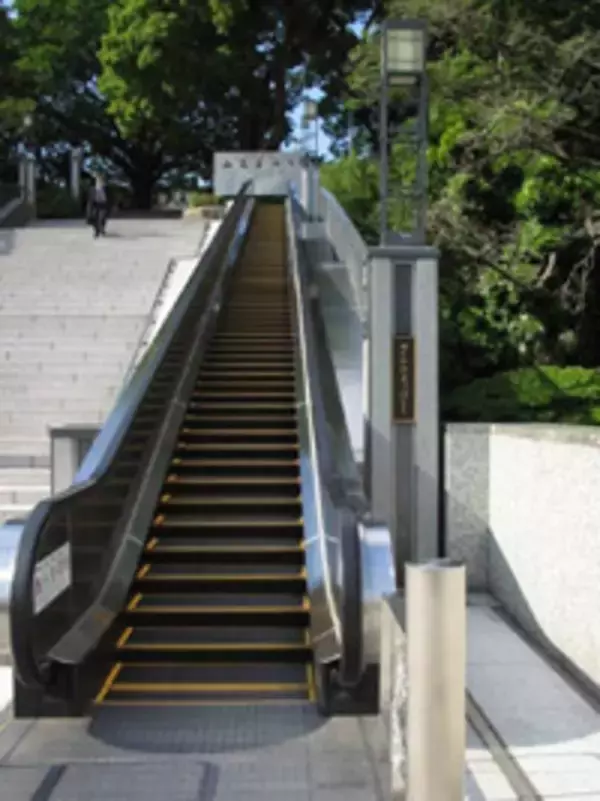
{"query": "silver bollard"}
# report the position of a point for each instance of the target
(436, 627)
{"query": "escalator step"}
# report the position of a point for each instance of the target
(215, 485)
(228, 527)
(238, 469)
(284, 505)
(242, 676)
(236, 635)
(246, 544)
(224, 553)
(251, 601)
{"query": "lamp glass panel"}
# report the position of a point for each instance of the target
(405, 51)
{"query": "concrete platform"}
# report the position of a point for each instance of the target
(532, 737)
(548, 731)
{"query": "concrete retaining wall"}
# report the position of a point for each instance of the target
(523, 511)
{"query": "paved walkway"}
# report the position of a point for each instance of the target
(551, 738)
(551, 733)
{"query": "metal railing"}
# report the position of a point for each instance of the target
(9, 192)
(99, 523)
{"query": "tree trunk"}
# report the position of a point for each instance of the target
(589, 327)
(142, 186)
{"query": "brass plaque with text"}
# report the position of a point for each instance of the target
(403, 380)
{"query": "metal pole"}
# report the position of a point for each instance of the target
(436, 624)
(383, 145)
(422, 177)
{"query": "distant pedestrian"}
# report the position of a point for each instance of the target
(97, 206)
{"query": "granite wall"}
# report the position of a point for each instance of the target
(523, 511)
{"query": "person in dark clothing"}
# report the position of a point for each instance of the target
(97, 206)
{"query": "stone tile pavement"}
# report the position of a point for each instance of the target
(551, 739)
(550, 731)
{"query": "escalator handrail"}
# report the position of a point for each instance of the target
(334, 464)
(99, 459)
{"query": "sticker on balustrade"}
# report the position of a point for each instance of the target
(51, 578)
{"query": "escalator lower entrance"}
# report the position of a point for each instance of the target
(218, 612)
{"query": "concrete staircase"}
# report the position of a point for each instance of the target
(72, 311)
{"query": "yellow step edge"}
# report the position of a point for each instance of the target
(205, 703)
(241, 524)
(221, 610)
(207, 687)
(268, 549)
(240, 446)
(205, 647)
(122, 641)
(132, 605)
(175, 478)
(230, 431)
(109, 682)
(237, 463)
(230, 501)
(200, 577)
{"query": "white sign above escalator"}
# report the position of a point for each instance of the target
(270, 171)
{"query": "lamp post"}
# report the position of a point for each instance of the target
(403, 61)
(311, 114)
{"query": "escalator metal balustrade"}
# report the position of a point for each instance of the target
(219, 543)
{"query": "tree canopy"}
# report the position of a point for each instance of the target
(514, 176)
(151, 88)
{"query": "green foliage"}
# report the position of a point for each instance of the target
(514, 177)
(201, 199)
(355, 183)
(56, 202)
(549, 394)
(152, 89)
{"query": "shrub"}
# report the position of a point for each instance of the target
(544, 394)
(56, 202)
(200, 199)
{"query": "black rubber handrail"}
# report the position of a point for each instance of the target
(31, 666)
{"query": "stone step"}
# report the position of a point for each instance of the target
(51, 413)
(23, 494)
(11, 477)
(65, 350)
(39, 392)
(23, 461)
(31, 374)
(40, 429)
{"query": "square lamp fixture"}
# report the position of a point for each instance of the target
(403, 51)
(311, 110)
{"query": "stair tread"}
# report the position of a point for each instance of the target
(210, 570)
(246, 500)
(209, 601)
(207, 635)
(214, 675)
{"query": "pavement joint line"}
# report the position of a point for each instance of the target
(518, 779)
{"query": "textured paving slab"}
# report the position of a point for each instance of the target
(234, 753)
(245, 754)
(549, 729)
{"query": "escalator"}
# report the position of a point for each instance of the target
(218, 612)
(216, 547)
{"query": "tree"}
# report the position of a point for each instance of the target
(514, 176)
